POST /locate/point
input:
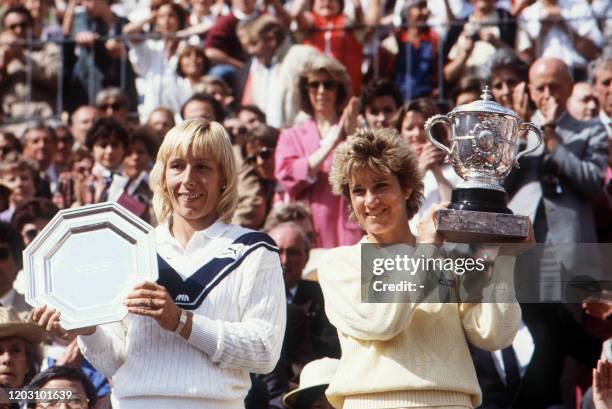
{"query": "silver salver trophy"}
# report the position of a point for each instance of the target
(86, 261)
(483, 150)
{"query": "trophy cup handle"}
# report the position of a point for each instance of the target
(433, 121)
(538, 132)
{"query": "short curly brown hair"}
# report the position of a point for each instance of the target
(382, 151)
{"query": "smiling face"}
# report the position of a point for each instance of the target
(166, 20)
(413, 131)
(326, 8)
(13, 362)
(194, 188)
(503, 82)
(192, 63)
(21, 183)
(322, 92)
(379, 203)
(40, 146)
(109, 152)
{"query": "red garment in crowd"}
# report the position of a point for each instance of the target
(339, 42)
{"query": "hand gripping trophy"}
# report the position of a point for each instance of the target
(483, 150)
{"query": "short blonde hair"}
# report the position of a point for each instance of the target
(335, 70)
(200, 137)
(382, 151)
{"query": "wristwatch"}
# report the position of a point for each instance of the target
(182, 322)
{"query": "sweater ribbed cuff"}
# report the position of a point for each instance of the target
(96, 341)
(206, 335)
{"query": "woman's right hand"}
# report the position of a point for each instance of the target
(49, 320)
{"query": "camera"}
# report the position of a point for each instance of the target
(472, 33)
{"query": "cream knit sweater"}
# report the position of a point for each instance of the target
(236, 330)
(397, 355)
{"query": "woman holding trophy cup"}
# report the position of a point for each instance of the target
(410, 353)
(217, 311)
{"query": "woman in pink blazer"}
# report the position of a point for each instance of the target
(304, 153)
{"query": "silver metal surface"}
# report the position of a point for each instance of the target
(484, 137)
(85, 262)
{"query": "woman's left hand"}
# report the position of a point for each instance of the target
(152, 300)
(427, 226)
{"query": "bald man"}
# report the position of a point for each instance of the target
(556, 183)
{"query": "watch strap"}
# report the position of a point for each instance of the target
(182, 322)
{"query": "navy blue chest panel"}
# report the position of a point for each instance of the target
(190, 293)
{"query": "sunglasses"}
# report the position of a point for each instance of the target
(263, 154)
(115, 106)
(328, 85)
(23, 25)
(5, 253)
(31, 234)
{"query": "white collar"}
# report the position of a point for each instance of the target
(211, 232)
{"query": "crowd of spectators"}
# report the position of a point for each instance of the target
(89, 89)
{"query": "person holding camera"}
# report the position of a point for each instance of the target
(487, 29)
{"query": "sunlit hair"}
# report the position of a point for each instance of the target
(290, 212)
(384, 152)
(337, 72)
(200, 137)
(604, 62)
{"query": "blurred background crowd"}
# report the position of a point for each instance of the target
(89, 88)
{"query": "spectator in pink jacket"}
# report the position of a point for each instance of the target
(304, 153)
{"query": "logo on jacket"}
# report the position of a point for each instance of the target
(182, 298)
(232, 251)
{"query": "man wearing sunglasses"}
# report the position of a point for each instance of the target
(11, 247)
(256, 182)
(28, 75)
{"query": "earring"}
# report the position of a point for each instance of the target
(222, 188)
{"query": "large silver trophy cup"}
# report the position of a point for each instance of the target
(483, 150)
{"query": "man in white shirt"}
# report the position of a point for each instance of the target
(565, 29)
(274, 65)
